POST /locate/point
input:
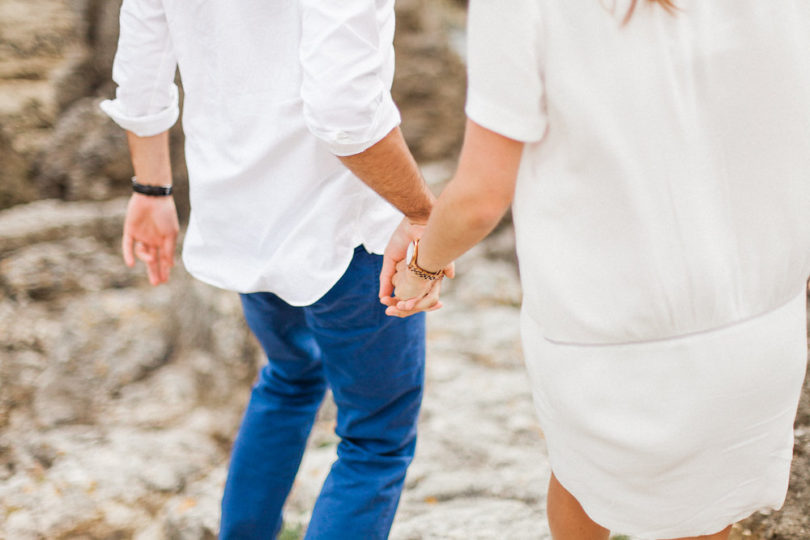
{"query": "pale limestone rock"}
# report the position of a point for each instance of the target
(49, 220)
(85, 158)
(119, 402)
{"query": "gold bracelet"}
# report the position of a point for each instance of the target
(418, 270)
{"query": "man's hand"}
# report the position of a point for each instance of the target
(412, 294)
(150, 234)
(395, 252)
(393, 259)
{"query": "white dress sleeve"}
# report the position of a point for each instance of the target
(146, 101)
(505, 86)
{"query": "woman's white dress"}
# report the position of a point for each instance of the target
(663, 227)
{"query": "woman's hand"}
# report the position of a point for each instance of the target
(413, 294)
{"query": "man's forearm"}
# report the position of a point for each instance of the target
(389, 169)
(475, 200)
(150, 158)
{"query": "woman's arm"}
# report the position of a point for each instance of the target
(467, 210)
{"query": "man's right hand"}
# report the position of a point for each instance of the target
(150, 234)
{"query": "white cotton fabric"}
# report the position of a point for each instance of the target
(673, 438)
(662, 225)
(273, 92)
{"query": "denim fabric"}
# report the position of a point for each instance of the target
(373, 364)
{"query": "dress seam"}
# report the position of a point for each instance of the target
(676, 337)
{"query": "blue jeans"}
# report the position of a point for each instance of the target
(374, 365)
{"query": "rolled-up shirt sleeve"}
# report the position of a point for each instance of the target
(146, 101)
(347, 65)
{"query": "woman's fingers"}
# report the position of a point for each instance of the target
(437, 305)
(424, 302)
(407, 305)
(394, 312)
(408, 285)
(413, 294)
(430, 299)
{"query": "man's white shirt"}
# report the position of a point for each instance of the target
(273, 91)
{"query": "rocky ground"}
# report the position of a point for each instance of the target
(118, 401)
(114, 397)
(480, 471)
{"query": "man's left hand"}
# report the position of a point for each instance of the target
(395, 252)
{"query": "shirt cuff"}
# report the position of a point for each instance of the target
(387, 118)
(495, 117)
(145, 125)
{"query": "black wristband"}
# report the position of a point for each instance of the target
(151, 191)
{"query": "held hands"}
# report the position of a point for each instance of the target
(150, 234)
(412, 294)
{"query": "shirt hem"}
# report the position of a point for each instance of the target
(286, 296)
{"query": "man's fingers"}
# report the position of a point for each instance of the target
(126, 247)
(167, 249)
(149, 256)
(153, 266)
(143, 251)
(157, 261)
(167, 256)
(393, 311)
(386, 276)
(450, 270)
(396, 250)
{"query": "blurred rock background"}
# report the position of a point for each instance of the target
(119, 402)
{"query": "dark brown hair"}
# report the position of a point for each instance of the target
(669, 5)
